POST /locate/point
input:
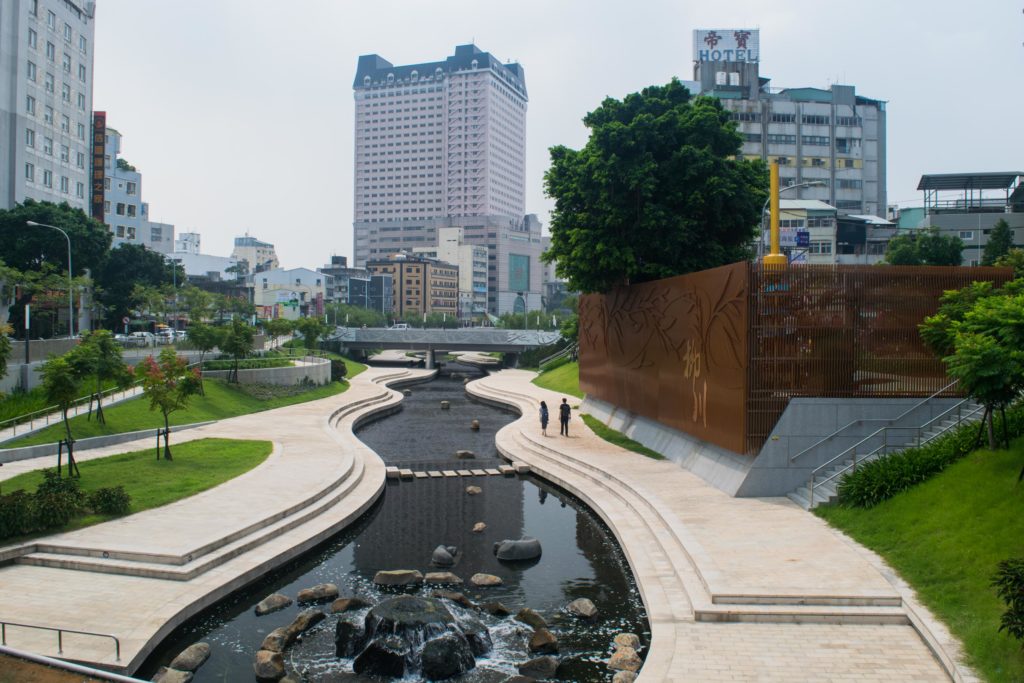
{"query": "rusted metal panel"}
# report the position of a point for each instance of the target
(673, 350)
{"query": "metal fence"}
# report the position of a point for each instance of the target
(842, 331)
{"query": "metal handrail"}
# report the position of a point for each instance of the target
(874, 419)
(60, 636)
(885, 446)
(567, 351)
(46, 412)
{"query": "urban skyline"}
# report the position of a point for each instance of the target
(917, 74)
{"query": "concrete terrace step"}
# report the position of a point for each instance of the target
(805, 614)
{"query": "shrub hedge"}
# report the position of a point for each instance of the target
(1009, 585)
(54, 503)
(888, 475)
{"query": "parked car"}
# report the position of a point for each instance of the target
(165, 336)
(143, 338)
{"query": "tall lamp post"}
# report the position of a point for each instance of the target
(71, 306)
(764, 209)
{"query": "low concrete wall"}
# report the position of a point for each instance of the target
(805, 422)
(26, 452)
(14, 379)
(315, 370)
(41, 349)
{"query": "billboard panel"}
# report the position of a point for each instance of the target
(518, 273)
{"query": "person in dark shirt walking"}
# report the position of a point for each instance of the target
(543, 418)
(564, 412)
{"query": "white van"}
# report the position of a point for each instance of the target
(400, 326)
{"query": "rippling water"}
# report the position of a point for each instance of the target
(580, 557)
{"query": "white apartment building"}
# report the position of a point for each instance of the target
(188, 243)
(290, 293)
(472, 262)
(441, 145)
(258, 256)
(46, 101)
(833, 137)
(124, 212)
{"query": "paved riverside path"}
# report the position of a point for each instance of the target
(165, 564)
(752, 589)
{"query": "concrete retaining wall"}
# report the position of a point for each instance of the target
(315, 370)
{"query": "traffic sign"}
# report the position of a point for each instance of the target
(126, 320)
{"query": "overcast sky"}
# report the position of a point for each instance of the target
(239, 113)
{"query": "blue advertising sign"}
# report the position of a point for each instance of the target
(803, 238)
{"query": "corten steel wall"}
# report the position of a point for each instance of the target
(843, 331)
(673, 350)
(719, 353)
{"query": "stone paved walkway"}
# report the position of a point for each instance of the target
(735, 588)
(318, 479)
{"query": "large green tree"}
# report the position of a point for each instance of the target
(312, 328)
(658, 190)
(124, 276)
(924, 248)
(1000, 242)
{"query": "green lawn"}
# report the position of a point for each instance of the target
(618, 438)
(197, 466)
(222, 400)
(945, 537)
(565, 379)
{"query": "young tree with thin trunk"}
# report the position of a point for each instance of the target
(169, 383)
(204, 338)
(62, 386)
(237, 342)
(99, 356)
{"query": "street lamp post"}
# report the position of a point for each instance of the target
(764, 208)
(71, 306)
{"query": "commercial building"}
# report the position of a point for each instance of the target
(443, 145)
(289, 292)
(124, 212)
(421, 286)
(257, 256)
(472, 262)
(814, 232)
(831, 136)
(968, 205)
(46, 101)
(187, 243)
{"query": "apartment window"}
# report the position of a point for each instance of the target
(51, 20)
(65, 62)
(745, 116)
(48, 146)
(819, 248)
(80, 159)
(818, 140)
(106, 206)
(67, 33)
(34, 9)
(30, 138)
(156, 234)
(48, 115)
(51, 51)
(80, 190)
(132, 188)
(850, 184)
(106, 183)
(783, 118)
(815, 120)
(65, 92)
(120, 209)
(131, 210)
(81, 131)
(65, 184)
(33, 39)
(81, 72)
(819, 222)
(30, 105)
(847, 120)
(120, 231)
(778, 139)
(30, 172)
(65, 153)
(967, 234)
(31, 72)
(65, 124)
(81, 101)
(82, 44)
(47, 178)
(48, 82)
(130, 234)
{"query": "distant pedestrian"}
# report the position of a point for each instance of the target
(564, 412)
(543, 418)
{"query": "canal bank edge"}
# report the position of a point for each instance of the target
(674, 608)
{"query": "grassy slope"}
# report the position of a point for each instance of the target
(945, 537)
(197, 466)
(221, 401)
(565, 379)
(618, 438)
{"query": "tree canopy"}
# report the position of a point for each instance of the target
(168, 383)
(657, 191)
(126, 268)
(1000, 242)
(27, 248)
(924, 248)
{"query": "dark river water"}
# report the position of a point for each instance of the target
(580, 557)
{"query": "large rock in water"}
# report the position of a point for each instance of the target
(445, 657)
(269, 666)
(415, 620)
(443, 556)
(192, 657)
(322, 592)
(272, 603)
(531, 618)
(477, 635)
(582, 608)
(540, 668)
(526, 548)
(383, 657)
(625, 659)
(349, 605)
(348, 638)
(484, 580)
(627, 640)
(276, 640)
(397, 577)
(305, 620)
(166, 675)
(624, 677)
(455, 596)
(543, 642)
(444, 578)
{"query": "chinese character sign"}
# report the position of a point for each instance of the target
(726, 45)
(99, 135)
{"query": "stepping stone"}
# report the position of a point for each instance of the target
(434, 474)
(464, 473)
(478, 473)
(450, 473)
(492, 472)
(421, 475)
(522, 469)
(406, 474)
(391, 472)
(507, 470)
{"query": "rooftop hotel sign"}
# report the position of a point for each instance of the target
(726, 45)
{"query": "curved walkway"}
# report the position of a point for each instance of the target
(735, 588)
(141, 576)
